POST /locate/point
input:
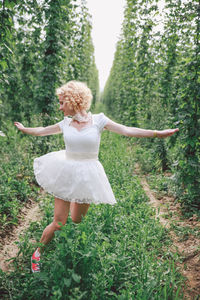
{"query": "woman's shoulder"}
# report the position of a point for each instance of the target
(100, 119)
(65, 121)
(99, 115)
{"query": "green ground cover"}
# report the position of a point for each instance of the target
(16, 178)
(18, 185)
(118, 252)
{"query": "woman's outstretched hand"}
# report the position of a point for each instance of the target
(165, 133)
(19, 126)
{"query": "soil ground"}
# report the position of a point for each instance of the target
(9, 249)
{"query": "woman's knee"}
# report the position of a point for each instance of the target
(76, 220)
(57, 225)
(78, 211)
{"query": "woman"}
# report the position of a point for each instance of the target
(75, 176)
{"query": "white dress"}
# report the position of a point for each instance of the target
(75, 174)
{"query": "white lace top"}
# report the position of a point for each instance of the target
(85, 140)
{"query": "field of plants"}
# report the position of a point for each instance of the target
(154, 83)
(118, 252)
(121, 252)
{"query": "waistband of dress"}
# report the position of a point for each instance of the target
(81, 155)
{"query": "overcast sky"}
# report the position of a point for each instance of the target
(107, 17)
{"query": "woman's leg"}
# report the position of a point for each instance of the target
(61, 211)
(78, 211)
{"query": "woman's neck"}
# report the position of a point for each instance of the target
(81, 116)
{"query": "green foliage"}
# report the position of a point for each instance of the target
(16, 179)
(44, 44)
(114, 253)
(18, 185)
(154, 83)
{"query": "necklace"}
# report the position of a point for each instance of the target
(78, 117)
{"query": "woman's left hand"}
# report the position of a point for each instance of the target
(165, 133)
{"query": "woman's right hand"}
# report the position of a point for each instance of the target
(20, 126)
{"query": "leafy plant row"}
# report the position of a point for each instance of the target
(43, 45)
(154, 83)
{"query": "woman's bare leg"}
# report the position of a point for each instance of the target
(61, 211)
(78, 211)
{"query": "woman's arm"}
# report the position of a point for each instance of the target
(39, 131)
(138, 132)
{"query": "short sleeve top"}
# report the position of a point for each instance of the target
(87, 139)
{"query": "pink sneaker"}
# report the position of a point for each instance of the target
(35, 259)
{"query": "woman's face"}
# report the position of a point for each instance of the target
(64, 106)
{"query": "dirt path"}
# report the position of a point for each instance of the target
(9, 248)
(188, 247)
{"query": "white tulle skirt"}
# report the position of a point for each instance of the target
(74, 177)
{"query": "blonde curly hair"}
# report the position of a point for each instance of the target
(76, 94)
